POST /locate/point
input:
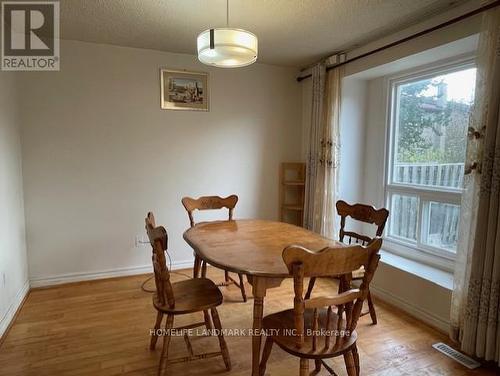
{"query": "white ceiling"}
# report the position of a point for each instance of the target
(290, 32)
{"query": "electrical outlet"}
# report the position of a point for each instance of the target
(140, 241)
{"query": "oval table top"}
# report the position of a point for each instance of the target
(251, 247)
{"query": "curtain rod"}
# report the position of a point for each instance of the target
(419, 34)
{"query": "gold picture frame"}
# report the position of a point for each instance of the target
(183, 90)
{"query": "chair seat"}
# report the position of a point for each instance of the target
(284, 323)
(192, 295)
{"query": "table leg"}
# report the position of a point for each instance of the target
(259, 292)
(259, 288)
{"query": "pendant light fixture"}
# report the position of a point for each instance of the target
(227, 47)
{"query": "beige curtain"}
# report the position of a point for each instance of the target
(323, 152)
(475, 309)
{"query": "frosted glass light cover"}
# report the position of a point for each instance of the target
(232, 48)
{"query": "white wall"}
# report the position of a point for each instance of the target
(98, 153)
(13, 263)
(375, 150)
(424, 299)
(352, 140)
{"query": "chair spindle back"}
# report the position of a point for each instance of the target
(341, 261)
(362, 213)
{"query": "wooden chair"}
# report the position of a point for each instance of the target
(213, 203)
(322, 327)
(179, 298)
(366, 214)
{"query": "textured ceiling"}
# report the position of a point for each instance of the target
(290, 32)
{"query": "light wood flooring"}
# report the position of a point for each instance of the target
(102, 328)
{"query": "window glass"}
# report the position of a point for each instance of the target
(429, 140)
(441, 225)
(431, 126)
(404, 216)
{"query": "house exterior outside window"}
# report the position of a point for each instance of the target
(428, 122)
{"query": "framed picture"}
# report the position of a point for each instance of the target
(182, 90)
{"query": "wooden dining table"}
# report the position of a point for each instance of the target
(254, 248)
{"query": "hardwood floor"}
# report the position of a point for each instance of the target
(102, 328)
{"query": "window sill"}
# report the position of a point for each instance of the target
(429, 273)
(425, 257)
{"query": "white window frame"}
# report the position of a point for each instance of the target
(417, 250)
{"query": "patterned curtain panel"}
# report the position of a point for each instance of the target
(323, 152)
(475, 306)
(318, 93)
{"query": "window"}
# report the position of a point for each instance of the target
(425, 168)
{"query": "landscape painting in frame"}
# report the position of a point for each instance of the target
(181, 90)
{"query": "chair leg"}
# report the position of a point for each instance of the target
(162, 369)
(226, 276)
(222, 341)
(154, 337)
(310, 287)
(349, 364)
(344, 283)
(196, 267)
(208, 322)
(265, 355)
(242, 288)
(355, 355)
(204, 269)
(304, 367)
(317, 365)
(371, 307)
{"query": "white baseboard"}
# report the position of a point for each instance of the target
(14, 306)
(410, 308)
(110, 273)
